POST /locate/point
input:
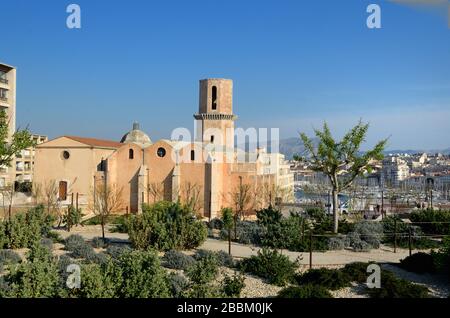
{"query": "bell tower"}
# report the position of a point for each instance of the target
(215, 118)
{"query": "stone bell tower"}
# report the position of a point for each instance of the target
(215, 119)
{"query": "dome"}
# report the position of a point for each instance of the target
(137, 137)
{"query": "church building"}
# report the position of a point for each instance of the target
(208, 173)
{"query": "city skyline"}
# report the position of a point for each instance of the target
(323, 63)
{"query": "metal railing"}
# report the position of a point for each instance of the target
(3, 98)
(4, 81)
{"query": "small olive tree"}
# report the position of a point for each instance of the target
(341, 161)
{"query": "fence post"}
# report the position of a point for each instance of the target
(395, 236)
(76, 203)
(409, 240)
(310, 248)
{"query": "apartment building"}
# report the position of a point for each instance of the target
(8, 104)
(25, 160)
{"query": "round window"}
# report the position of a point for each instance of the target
(65, 154)
(161, 152)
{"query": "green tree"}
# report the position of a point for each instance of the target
(10, 146)
(227, 219)
(341, 161)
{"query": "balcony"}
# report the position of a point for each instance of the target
(4, 81)
(3, 99)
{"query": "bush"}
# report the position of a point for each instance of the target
(142, 275)
(48, 243)
(99, 242)
(24, 187)
(442, 258)
(73, 241)
(271, 265)
(216, 224)
(115, 251)
(83, 250)
(232, 286)
(418, 263)
(204, 270)
(225, 259)
(430, 215)
(305, 291)
(165, 226)
(36, 278)
(24, 229)
(177, 260)
(370, 232)
(73, 215)
(329, 278)
(393, 287)
(9, 257)
(337, 243)
(247, 232)
(178, 285)
(418, 242)
(357, 271)
(98, 282)
(222, 258)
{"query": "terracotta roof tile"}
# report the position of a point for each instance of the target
(96, 142)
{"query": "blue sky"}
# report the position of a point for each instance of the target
(294, 64)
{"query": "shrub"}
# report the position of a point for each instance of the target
(328, 278)
(73, 215)
(142, 275)
(418, 242)
(357, 271)
(222, 258)
(177, 260)
(99, 242)
(121, 224)
(393, 287)
(38, 277)
(225, 259)
(165, 226)
(337, 242)
(370, 232)
(271, 265)
(216, 224)
(232, 286)
(418, 263)
(305, 291)
(98, 258)
(83, 251)
(48, 243)
(73, 241)
(247, 232)
(9, 257)
(24, 229)
(204, 270)
(98, 282)
(115, 251)
(442, 257)
(430, 215)
(178, 285)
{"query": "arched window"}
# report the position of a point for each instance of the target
(131, 154)
(214, 98)
(192, 155)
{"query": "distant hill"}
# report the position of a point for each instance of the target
(291, 146)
